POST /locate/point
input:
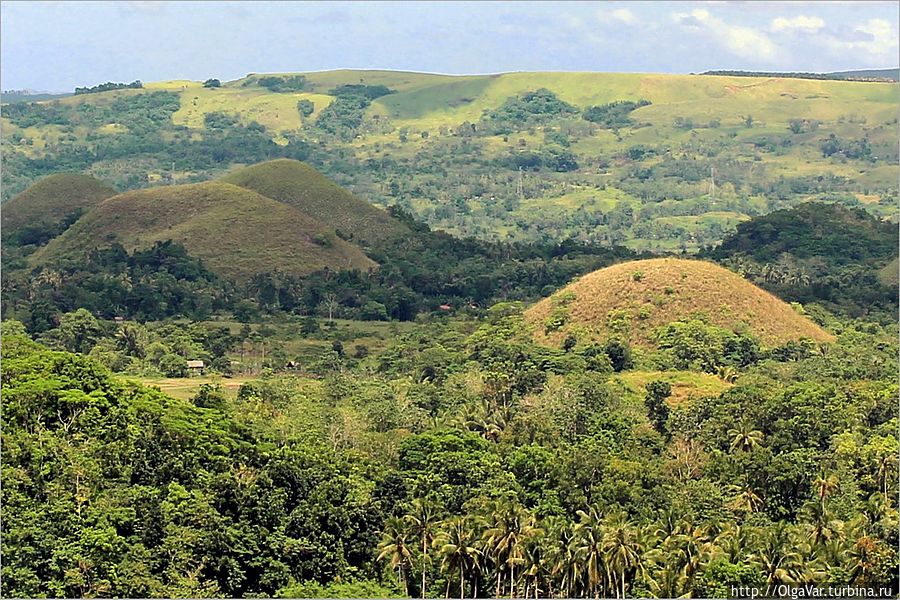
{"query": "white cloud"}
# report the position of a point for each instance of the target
(744, 42)
(800, 22)
(624, 15)
(874, 39)
(619, 15)
(884, 37)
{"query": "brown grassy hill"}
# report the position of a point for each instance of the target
(235, 231)
(639, 296)
(51, 200)
(301, 186)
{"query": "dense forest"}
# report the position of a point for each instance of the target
(461, 460)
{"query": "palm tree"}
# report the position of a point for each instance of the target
(511, 525)
(862, 560)
(821, 527)
(131, 339)
(747, 500)
(887, 467)
(825, 486)
(695, 549)
(564, 564)
(877, 509)
(623, 550)
(394, 548)
(456, 545)
(535, 568)
(744, 438)
(422, 520)
(776, 555)
(735, 542)
(588, 546)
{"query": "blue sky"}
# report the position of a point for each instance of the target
(55, 46)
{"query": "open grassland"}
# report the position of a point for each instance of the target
(890, 274)
(235, 231)
(276, 112)
(425, 101)
(771, 100)
(634, 298)
(185, 388)
(686, 385)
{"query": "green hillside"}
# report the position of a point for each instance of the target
(832, 233)
(236, 232)
(305, 189)
(841, 257)
(654, 162)
(40, 212)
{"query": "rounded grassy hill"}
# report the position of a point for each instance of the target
(236, 232)
(52, 200)
(305, 189)
(638, 296)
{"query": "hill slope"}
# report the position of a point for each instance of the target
(833, 233)
(305, 189)
(236, 232)
(642, 295)
(449, 149)
(842, 258)
(51, 200)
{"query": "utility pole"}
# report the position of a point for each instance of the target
(712, 182)
(520, 186)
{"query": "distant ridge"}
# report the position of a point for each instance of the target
(13, 96)
(876, 75)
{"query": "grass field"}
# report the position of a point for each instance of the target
(375, 335)
(686, 385)
(185, 388)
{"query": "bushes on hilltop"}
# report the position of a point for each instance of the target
(522, 111)
(109, 86)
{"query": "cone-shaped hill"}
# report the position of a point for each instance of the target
(302, 187)
(640, 296)
(235, 231)
(51, 200)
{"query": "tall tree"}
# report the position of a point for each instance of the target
(422, 518)
(394, 548)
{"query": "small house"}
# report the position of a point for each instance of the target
(195, 367)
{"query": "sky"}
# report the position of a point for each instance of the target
(56, 46)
